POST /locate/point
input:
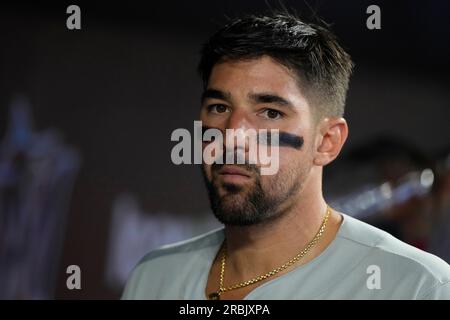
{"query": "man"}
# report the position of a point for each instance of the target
(281, 240)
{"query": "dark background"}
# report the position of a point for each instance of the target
(118, 87)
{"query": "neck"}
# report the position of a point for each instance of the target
(256, 249)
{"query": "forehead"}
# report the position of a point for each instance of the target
(241, 77)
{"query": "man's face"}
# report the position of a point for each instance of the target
(257, 94)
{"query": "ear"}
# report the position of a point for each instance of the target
(331, 136)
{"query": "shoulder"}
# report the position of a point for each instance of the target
(185, 247)
(399, 261)
(159, 266)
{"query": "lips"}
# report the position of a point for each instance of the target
(232, 170)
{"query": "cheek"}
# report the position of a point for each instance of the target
(291, 158)
(207, 171)
(287, 171)
(292, 164)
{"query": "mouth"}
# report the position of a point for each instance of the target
(233, 174)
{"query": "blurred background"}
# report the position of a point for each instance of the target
(86, 116)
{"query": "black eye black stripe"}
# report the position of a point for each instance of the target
(286, 139)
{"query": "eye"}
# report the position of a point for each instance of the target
(272, 114)
(217, 108)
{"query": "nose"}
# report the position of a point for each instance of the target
(237, 120)
(238, 134)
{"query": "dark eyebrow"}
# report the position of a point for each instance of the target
(270, 98)
(215, 94)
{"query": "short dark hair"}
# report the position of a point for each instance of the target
(311, 51)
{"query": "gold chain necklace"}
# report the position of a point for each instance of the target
(299, 256)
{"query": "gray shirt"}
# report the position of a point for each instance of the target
(362, 262)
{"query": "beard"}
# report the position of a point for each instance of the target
(246, 205)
